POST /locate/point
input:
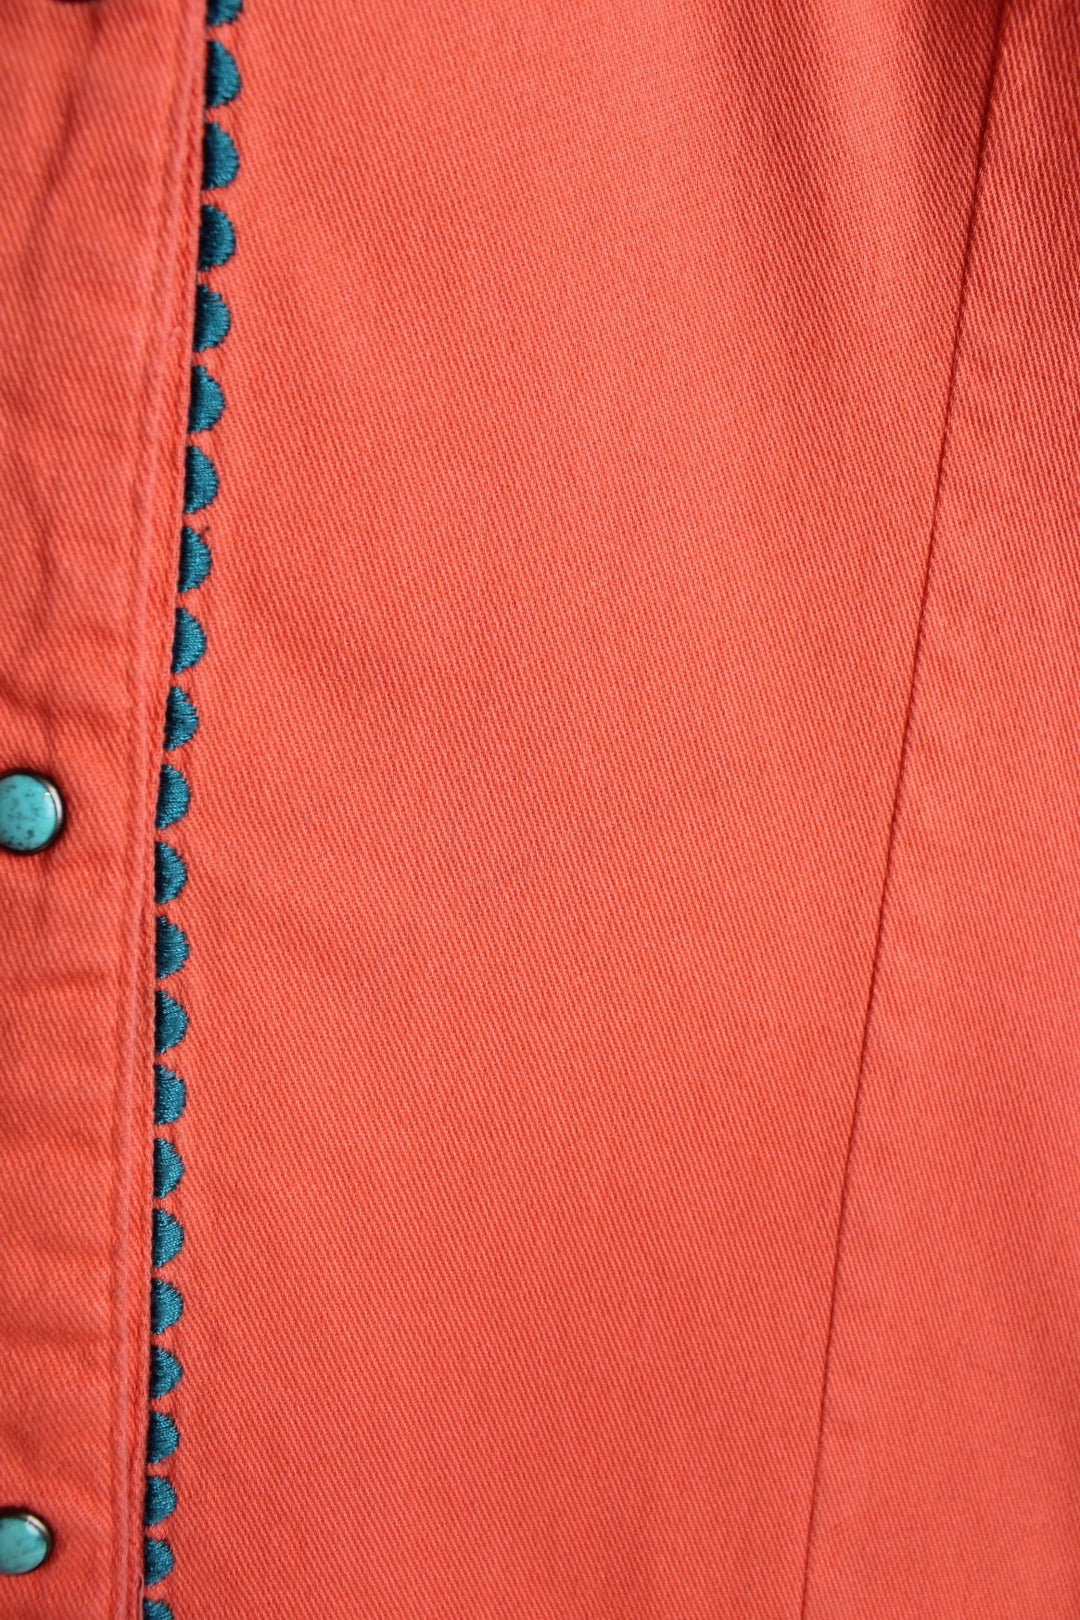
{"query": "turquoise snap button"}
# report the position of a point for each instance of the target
(25, 1542)
(31, 812)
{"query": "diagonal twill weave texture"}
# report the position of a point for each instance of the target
(614, 1137)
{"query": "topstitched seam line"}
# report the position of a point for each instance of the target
(841, 1225)
(157, 404)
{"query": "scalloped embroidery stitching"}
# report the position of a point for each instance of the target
(217, 243)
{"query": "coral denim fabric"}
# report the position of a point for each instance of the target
(632, 1140)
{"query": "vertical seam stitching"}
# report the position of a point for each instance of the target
(950, 395)
(124, 1564)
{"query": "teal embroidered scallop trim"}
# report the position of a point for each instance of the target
(171, 948)
(217, 239)
(194, 555)
(163, 1437)
(174, 796)
(222, 76)
(200, 480)
(211, 319)
(189, 641)
(221, 160)
(165, 1373)
(168, 1167)
(217, 243)
(207, 401)
(170, 873)
(170, 1096)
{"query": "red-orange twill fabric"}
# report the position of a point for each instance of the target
(632, 1132)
